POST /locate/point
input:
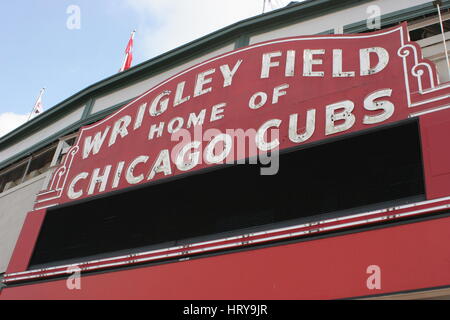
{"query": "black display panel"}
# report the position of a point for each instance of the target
(361, 172)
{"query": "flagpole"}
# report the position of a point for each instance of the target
(438, 4)
(123, 64)
(126, 54)
(39, 97)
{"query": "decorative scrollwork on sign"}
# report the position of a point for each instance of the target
(56, 177)
(416, 67)
(418, 72)
(60, 174)
(404, 52)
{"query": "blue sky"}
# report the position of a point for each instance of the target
(42, 51)
(38, 50)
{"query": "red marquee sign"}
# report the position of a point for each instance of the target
(278, 94)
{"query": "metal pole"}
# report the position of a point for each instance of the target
(264, 6)
(438, 5)
(26, 169)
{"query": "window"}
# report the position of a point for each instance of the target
(429, 26)
(427, 32)
(62, 148)
(27, 169)
(38, 163)
(12, 176)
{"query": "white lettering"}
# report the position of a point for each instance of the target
(130, 177)
(179, 95)
(120, 127)
(97, 178)
(263, 99)
(95, 145)
(386, 106)
(161, 103)
(227, 144)
(201, 81)
(217, 110)
(71, 193)
(365, 61)
(260, 136)
(267, 63)
(229, 74)
(140, 116)
(171, 128)
(195, 120)
(337, 65)
(290, 63)
(279, 92)
(191, 157)
(154, 129)
(310, 127)
(346, 115)
(309, 61)
(162, 164)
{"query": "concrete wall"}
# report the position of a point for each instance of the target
(14, 206)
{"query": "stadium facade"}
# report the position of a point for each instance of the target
(139, 186)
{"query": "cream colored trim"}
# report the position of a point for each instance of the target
(433, 40)
(427, 22)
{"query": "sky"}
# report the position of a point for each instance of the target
(68, 45)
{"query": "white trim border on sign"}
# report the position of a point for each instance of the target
(285, 233)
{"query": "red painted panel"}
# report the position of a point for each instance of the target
(435, 132)
(124, 150)
(26, 242)
(410, 256)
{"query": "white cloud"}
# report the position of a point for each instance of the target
(9, 121)
(165, 25)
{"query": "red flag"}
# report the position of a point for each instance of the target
(128, 61)
(130, 44)
(128, 54)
